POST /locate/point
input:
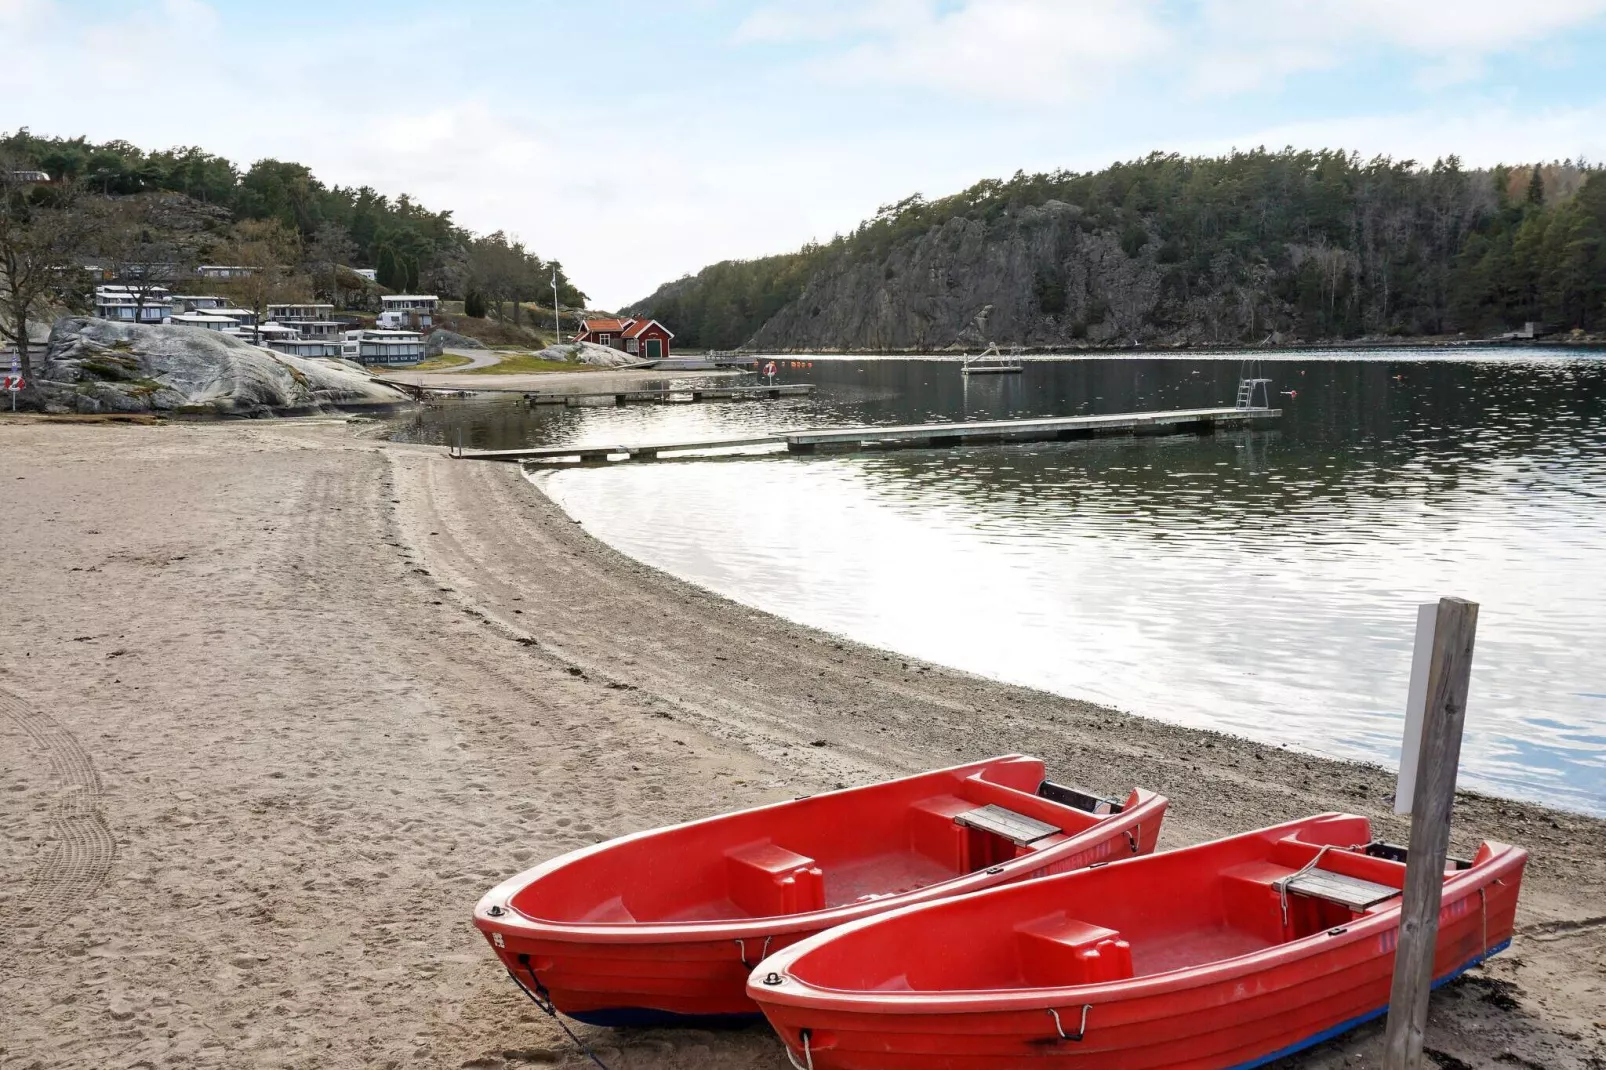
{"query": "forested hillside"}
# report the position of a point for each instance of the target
(1288, 246)
(411, 247)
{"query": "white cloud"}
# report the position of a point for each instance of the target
(1050, 52)
(1033, 51)
(1026, 51)
(1248, 43)
(812, 20)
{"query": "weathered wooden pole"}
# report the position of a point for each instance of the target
(1444, 717)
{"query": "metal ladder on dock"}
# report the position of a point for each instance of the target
(1249, 383)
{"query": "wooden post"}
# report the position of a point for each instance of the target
(1445, 716)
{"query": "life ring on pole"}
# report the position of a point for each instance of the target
(769, 370)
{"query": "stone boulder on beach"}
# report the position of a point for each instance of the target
(588, 353)
(97, 366)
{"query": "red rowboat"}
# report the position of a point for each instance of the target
(1227, 955)
(664, 926)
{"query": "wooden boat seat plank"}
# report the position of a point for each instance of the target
(1017, 828)
(1352, 892)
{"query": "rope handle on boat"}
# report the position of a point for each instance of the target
(741, 950)
(1483, 904)
(1059, 1027)
(543, 999)
(1282, 885)
(1134, 836)
(808, 1055)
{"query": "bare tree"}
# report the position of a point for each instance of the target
(147, 259)
(42, 233)
(330, 250)
(267, 249)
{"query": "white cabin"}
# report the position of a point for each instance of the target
(115, 303)
(408, 310)
(197, 302)
(302, 347)
(205, 321)
(224, 271)
(286, 313)
(321, 330)
(385, 347)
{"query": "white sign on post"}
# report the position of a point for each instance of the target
(1416, 705)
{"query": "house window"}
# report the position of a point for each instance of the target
(631, 345)
(605, 339)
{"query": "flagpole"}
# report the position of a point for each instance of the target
(557, 324)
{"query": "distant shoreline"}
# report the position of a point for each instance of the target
(1588, 345)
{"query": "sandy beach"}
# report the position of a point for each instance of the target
(279, 700)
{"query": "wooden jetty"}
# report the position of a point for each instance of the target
(670, 395)
(916, 436)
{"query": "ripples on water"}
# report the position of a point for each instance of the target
(1258, 583)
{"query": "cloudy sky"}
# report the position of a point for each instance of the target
(636, 141)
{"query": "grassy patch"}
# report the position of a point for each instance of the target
(111, 367)
(529, 362)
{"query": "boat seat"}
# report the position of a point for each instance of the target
(1354, 893)
(1017, 828)
(1251, 899)
(932, 831)
(1058, 950)
(766, 880)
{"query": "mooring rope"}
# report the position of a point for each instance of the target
(808, 1053)
(543, 999)
(1483, 904)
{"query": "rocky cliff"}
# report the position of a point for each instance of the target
(93, 365)
(1167, 251)
(1034, 278)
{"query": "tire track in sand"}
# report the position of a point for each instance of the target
(80, 854)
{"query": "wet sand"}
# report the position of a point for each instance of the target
(279, 701)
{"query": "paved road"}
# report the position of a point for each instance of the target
(478, 358)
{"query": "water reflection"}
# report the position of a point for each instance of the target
(1259, 583)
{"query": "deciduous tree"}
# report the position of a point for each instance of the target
(42, 234)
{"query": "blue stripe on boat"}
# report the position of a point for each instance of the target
(1344, 1027)
(646, 1017)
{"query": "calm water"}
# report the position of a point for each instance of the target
(1259, 583)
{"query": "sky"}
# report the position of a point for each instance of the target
(637, 141)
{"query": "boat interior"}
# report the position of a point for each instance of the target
(1168, 912)
(821, 852)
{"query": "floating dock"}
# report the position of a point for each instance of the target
(669, 395)
(914, 436)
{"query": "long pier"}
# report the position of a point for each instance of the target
(670, 394)
(914, 436)
(663, 395)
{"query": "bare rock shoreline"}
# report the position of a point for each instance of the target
(409, 677)
(93, 366)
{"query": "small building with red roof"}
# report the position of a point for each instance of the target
(642, 339)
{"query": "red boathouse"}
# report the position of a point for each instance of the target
(643, 339)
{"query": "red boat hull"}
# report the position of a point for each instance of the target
(1236, 1011)
(657, 971)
